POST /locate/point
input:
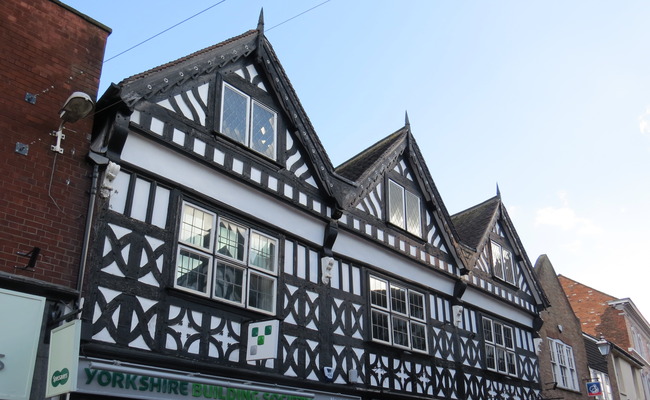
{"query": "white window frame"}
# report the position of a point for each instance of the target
(398, 208)
(251, 105)
(497, 344)
(216, 259)
(605, 384)
(412, 315)
(563, 365)
(499, 261)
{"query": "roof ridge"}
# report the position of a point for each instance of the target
(345, 169)
(187, 57)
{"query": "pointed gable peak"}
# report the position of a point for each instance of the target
(371, 159)
(475, 222)
(407, 123)
(260, 22)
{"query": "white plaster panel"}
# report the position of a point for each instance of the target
(313, 266)
(140, 199)
(120, 190)
(178, 137)
(160, 206)
(500, 308)
(186, 172)
(157, 126)
(288, 258)
(354, 247)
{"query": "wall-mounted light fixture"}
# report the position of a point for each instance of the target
(78, 106)
(604, 346)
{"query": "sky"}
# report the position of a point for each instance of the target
(548, 100)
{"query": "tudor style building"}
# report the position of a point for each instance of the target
(231, 260)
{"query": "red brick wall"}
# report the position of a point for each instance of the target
(50, 51)
(596, 316)
(560, 323)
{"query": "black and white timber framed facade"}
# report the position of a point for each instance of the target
(228, 252)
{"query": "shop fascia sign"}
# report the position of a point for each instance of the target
(102, 377)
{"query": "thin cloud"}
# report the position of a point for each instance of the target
(644, 121)
(565, 218)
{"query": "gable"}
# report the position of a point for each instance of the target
(180, 104)
(373, 206)
(191, 104)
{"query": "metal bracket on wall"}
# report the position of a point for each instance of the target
(22, 148)
(33, 255)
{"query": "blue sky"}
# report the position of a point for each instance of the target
(549, 100)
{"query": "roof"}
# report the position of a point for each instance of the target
(175, 73)
(473, 223)
(251, 34)
(354, 168)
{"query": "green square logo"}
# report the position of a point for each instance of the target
(268, 330)
(260, 340)
(256, 331)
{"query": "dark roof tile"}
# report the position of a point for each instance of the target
(471, 224)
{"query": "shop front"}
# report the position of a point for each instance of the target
(133, 381)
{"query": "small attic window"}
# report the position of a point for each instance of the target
(248, 122)
(503, 265)
(404, 208)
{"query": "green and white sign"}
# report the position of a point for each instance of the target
(63, 362)
(263, 340)
(124, 380)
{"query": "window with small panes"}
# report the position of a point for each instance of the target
(226, 260)
(397, 315)
(248, 121)
(499, 347)
(503, 263)
(404, 210)
(563, 365)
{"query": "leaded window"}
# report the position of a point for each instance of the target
(226, 260)
(503, 263)
(499, 347)
(404, 208)
(249, 122)
(397, 315)
(563, 365)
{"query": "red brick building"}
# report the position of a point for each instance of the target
(562, 359)
(618, 321)
(48, 52)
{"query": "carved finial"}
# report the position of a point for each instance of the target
(498, 191)
(406, 119)
(260, 22)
